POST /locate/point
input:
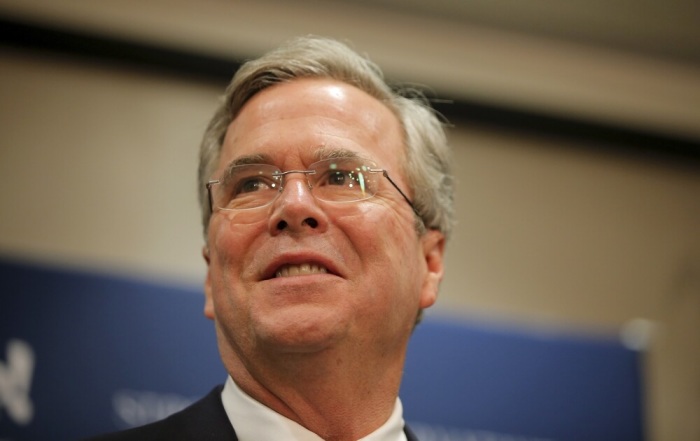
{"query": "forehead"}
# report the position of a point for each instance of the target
(290, 122)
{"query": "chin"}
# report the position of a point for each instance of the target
(290, 331)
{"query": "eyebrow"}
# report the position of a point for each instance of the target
(250, 159)
(336, 153)
(246, 160)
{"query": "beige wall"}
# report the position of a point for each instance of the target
(97, 170)
(98, 167)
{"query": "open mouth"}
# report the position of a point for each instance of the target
(303, 269)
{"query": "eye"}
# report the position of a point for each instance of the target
(337, 177)
(342, 180)
(251, 185)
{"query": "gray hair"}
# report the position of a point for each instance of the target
(427, 161)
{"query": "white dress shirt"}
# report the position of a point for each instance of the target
(253, 421)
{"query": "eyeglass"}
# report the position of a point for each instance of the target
(249, 186)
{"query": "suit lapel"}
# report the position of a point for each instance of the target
(410, 436)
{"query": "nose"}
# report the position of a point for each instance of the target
(296, 210)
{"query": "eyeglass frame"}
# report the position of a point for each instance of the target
(281, 175)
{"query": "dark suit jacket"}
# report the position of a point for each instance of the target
(205, 420)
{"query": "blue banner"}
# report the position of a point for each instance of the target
(83, 353)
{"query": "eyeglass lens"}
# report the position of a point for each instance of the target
(256, 185)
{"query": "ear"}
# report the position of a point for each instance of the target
(208, 301)
(433, 243)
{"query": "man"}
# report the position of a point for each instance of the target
(326, 203)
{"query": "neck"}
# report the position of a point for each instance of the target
(338, 398)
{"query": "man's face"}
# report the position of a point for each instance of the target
(264, 286)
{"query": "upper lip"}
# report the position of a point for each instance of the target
(297, 259)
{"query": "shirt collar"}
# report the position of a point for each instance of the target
(254, 421)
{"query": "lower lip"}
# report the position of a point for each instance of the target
(309, 287)
(302, 278)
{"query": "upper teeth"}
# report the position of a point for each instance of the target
(304, 268)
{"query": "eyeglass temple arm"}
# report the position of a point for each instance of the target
(211, 198)
(391, 181)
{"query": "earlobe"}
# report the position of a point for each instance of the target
(433, 252)
(208, 301)
(205, 254)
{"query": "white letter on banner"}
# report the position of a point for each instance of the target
(15, 380)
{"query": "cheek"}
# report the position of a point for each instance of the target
(382, 229)
(229, 247)
(389, 253)
(375, 215)
(229, 305)
(229, 240)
